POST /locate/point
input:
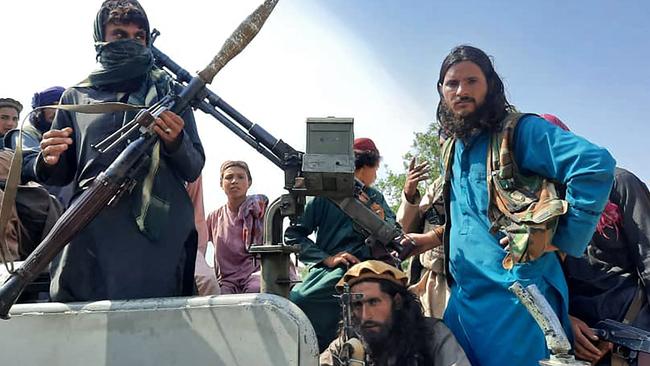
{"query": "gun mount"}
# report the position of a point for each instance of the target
(326, 169)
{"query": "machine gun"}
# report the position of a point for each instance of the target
(326, 170)
(352, 351)
(630, 343)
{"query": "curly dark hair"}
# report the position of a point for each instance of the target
(369, 158)
(409, 334)
(489, 115)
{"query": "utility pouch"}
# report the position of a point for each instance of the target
(525, 208)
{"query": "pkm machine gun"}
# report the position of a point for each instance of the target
(326, 170)
(630, 343)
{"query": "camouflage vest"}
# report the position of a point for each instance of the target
(525, 208)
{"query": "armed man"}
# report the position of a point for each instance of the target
(143, 244)
(419, 215)
(338, 245)
(505, 220)
(387, 320)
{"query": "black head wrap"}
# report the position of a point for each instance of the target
(124, 63)
(136, 15)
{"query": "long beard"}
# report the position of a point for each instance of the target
(461, 127)
(376, 342)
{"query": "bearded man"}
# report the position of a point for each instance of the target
(388, 320)
(491, 325)
(143, 245)
(338, 245)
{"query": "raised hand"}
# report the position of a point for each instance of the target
(415, 175)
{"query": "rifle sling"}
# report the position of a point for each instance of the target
(15, 170)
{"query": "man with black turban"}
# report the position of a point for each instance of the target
(144, 245)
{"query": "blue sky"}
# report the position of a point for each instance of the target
(584, 61)
(374, 60)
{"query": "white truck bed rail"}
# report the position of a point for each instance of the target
(246, 330)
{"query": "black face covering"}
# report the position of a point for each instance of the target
(124, 63)
(121, 61)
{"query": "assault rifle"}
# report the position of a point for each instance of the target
(352, 351)
(630, 343)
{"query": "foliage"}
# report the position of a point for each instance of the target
(425, 147)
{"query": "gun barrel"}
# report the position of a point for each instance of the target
(209, 109)
(9, 293)
(252, 131)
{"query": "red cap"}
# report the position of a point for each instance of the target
(364, 144)
(554, 120)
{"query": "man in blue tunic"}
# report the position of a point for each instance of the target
(487, 319)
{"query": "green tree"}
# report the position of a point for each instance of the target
(425, 147)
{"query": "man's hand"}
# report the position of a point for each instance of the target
(415, 175)
(343, 258)
(376, 208)
(585, 339)
(54, 143)
(169, 127)
(422, 242)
